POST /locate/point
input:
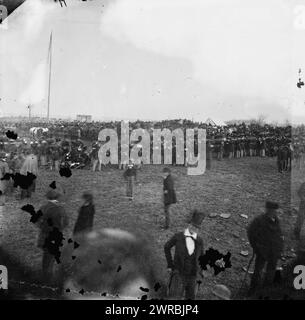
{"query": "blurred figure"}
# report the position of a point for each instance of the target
(265, 237)
(52, 222)
(43, 153)
(110, 262)
(220, 150)
(130, 176)
(86, 213)
(184, 268)
(288, 271)
(169, 195)
(301, 213)
(30, 165)
(94, 157)
(231, 149)
(55, 158)
(301, 246)
(263, 148)
(209, 155)
(11, 161)
(4, 169)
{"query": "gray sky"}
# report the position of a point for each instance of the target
(155, 59)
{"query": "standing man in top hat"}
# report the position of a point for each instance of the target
(169, 194)
(185, 268)
(265, 237)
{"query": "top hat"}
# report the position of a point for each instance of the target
(271, 205)
(87, 196)
(196, 218)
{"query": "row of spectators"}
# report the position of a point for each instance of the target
(90, 130)
(76, 142)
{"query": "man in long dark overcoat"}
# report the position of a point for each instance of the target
(84, 222)
(169, 195)
(265, 237)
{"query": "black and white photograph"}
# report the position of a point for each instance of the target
(152, 150)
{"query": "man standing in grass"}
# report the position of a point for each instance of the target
(184, 268)
(169, 194)
(265, 237)
(130, 176)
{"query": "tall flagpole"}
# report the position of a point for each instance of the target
(50, 68)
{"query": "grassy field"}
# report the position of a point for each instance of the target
(237, 186)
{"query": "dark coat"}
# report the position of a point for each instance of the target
(265, 237)
(85, 218)
(130, 172)
(169, 195)
(54, 212)
(181, 253)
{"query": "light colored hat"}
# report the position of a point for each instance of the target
(222, 292)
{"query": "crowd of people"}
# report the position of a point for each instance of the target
(78, 142)
(75, 145)
(26, 154)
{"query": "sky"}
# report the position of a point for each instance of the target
(155, 59)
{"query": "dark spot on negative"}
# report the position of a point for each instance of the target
(35, 217)
(119, 269)
(65, 172)
(76, 245)
(23, 181)
(11, 135)
(157, 286)
(28, 208)
(53, 242)
(31, 210)
(7, 176)
(211, 256)
(144, 289)
(53, 185)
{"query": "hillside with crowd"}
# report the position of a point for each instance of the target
(77, 143)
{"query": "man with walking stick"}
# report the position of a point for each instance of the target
(184, 268)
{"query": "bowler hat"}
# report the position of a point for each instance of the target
(52, 194)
